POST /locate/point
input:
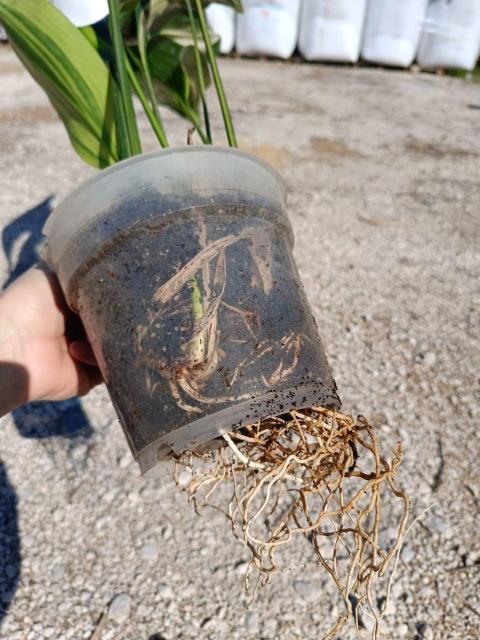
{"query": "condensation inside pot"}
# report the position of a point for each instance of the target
(188, 315)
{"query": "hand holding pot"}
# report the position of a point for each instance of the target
(43, 351)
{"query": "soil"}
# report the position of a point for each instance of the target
(254, 333)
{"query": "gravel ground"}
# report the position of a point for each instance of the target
(383, 171)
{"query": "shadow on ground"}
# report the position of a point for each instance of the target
(22, 241)
(10, 557)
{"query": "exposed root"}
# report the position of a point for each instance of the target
(315, 475)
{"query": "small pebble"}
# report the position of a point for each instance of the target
(189, 591)
(430, 358)
(119, 609)
(251, 622)
(149, 551)
(310, 591)
(125, 460)
(222, 628)
(184, 478)
(58, 572)
(143, 611)
(441, 526)
(270, 628)
(426, 632)
(391, 608)
(164, 591)
(408, 554)
(167, 532)
(241, 568)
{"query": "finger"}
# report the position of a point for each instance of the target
(82, 352)
(88, 378)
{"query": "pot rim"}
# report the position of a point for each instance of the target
(201, 433)
(125, 166)
(168, 180)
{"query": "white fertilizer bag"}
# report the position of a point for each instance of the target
(331, 29)
(82, 13)
(221, 20)
(451, 34)
(392, 31)
(268, 28)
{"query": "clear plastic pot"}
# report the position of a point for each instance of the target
(180, 266)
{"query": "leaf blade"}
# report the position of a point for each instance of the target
(71, 72)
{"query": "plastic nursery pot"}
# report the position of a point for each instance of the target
(180, 266)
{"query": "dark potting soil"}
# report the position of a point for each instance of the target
(188, 315)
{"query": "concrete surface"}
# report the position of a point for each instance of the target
(383, 170)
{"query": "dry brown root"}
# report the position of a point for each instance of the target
(315, 475)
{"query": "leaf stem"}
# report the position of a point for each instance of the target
(141, 39)
(227, 118)
(155, 123)
(198, 62)
(122, 78)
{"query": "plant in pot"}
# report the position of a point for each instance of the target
(179, 262)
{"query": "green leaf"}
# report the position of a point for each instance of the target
(64, 63)
(164, 58)
(189, 68)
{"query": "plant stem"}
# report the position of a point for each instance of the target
(227, 118)
(122, 78)
(141, 39)
(195, 120)
(197, 346)
(149, 112)
(121, 126)
(198, 62)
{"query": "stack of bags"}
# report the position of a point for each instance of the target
(439, 33)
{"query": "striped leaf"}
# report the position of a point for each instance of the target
(71, 72)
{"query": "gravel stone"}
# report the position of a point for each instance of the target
(164, 591)
(429, 359)
(149, 551)
(269, 628)
(426, 632)
(167, 532)
(310, 591)
(408, 554)
(119, 609)
(184, 477)
(241, 568)
(58, 572)
(252, 622)
(442, 526)
(144, 611)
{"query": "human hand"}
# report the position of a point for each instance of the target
(44, 354)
